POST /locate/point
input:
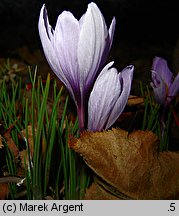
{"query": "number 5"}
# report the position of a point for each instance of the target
(172, 206)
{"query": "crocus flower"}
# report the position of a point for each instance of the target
(164, 85)
(76, 50)
(109, 97)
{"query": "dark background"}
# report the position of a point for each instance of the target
(145, 28)
(137, 20)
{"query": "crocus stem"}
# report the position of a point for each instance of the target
(81, 118)
(163, 125)
(162, 122)
(174, 115)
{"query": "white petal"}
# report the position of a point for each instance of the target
(159, 88)
(46, 36)
(111, 31)
(91, 45)
(47, 40)
(108, 44)
(174, 88)
(126, 76)
(105, 92)
(161, 67)
(66, 37)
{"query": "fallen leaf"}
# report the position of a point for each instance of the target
(10, 143)
(129, 166)
(1, 144)
(135, 100)
(24, 159)
(30, 138)
(4, 191)
(95, 192)
(24, 154)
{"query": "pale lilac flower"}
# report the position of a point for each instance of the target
(164, 85)
(76, 50)
(109, 97)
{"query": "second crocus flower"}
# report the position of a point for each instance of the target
(164, 85)
(109, 97)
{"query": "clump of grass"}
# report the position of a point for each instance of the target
(51, 168)
(152, 118)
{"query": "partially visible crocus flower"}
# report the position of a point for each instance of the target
(164, 85)
(109, 97)
(76, 50)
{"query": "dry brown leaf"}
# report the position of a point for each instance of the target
(31, 145)
(95, 192)
(24, 159)
(129, 166)
(135, 100)
(24, 154)
(4, 191)
(10, 143)
(1, 144)
(30, 138)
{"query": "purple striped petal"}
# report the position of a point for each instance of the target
(66, 36)
(160, 66)
(126, 77)
(46, 34)
(109, 41)
(103, 97)
(111, 32)
(108, 97)
(92, 44)
(174, 88)
(159, 88)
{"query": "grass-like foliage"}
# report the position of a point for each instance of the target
(51, 169)
(156, 118)
(35, 127)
